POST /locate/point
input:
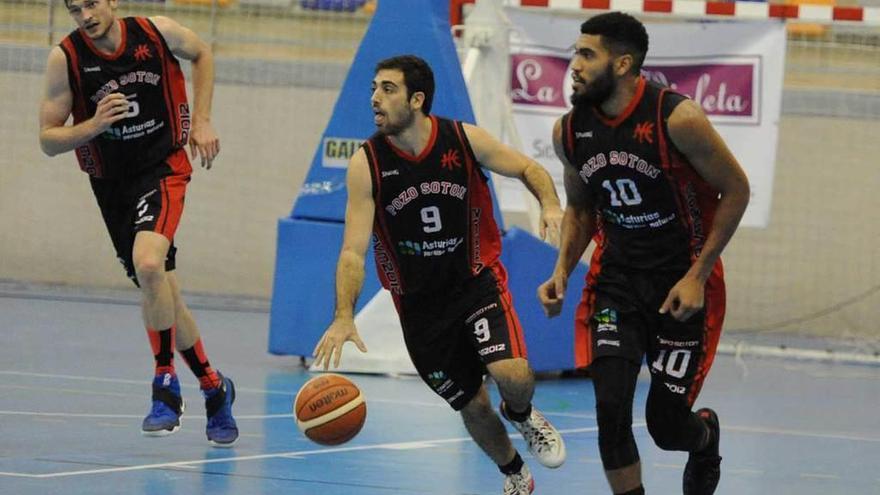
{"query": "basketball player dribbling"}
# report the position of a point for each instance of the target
(417, 186)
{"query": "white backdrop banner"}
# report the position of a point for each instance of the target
(734, 70)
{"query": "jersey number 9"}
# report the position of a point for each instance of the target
(431, 219)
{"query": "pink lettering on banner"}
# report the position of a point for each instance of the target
(721, 89)
(539, 80)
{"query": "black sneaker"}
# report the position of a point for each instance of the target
(703, 469)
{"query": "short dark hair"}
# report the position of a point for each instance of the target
(67, 3)
(417, 75)
(620, 34)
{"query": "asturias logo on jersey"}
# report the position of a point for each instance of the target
(429, 248)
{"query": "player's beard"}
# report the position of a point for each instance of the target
(394, 127)
(598, 91)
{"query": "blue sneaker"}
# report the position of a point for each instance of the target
(221, 428)
(168, 406)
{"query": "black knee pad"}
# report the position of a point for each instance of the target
(617, 445)
(614, 380)
(671, 423)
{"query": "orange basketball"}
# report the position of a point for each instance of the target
(330, 409)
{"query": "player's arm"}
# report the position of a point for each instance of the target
(578, 227)
(186, 44)
(56, 105)
(508, 162)
(694, 136)
(579, 221)
(359, 212)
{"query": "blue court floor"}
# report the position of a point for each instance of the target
(74, 386)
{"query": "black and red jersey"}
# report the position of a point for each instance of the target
(148, 74)
(434, 225)
(654, 209)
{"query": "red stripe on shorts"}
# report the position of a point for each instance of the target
(513, 325)
(715, 304)
(173, 190)
(514, 328)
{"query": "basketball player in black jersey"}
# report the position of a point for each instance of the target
(651, 182)
(417, 186)
(121, 81)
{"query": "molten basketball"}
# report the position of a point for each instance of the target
(330, 409)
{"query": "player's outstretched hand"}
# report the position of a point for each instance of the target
(684, 299)
(112, 108)
(551, 294)
(330, 345)
(551, 221)
(204, 142)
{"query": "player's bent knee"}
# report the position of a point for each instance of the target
(663, 437)
(513, 371)
(665, 427)
(149, 269)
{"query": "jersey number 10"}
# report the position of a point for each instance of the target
(626, 192)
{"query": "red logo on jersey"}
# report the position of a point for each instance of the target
(142, 52)
(644, 132)
(450, 159)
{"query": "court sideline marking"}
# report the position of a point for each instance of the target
(418, 444)
(439, 403)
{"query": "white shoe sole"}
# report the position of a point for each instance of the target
(223, 445)
(552, 463)
(160, 433)
(165, 433)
